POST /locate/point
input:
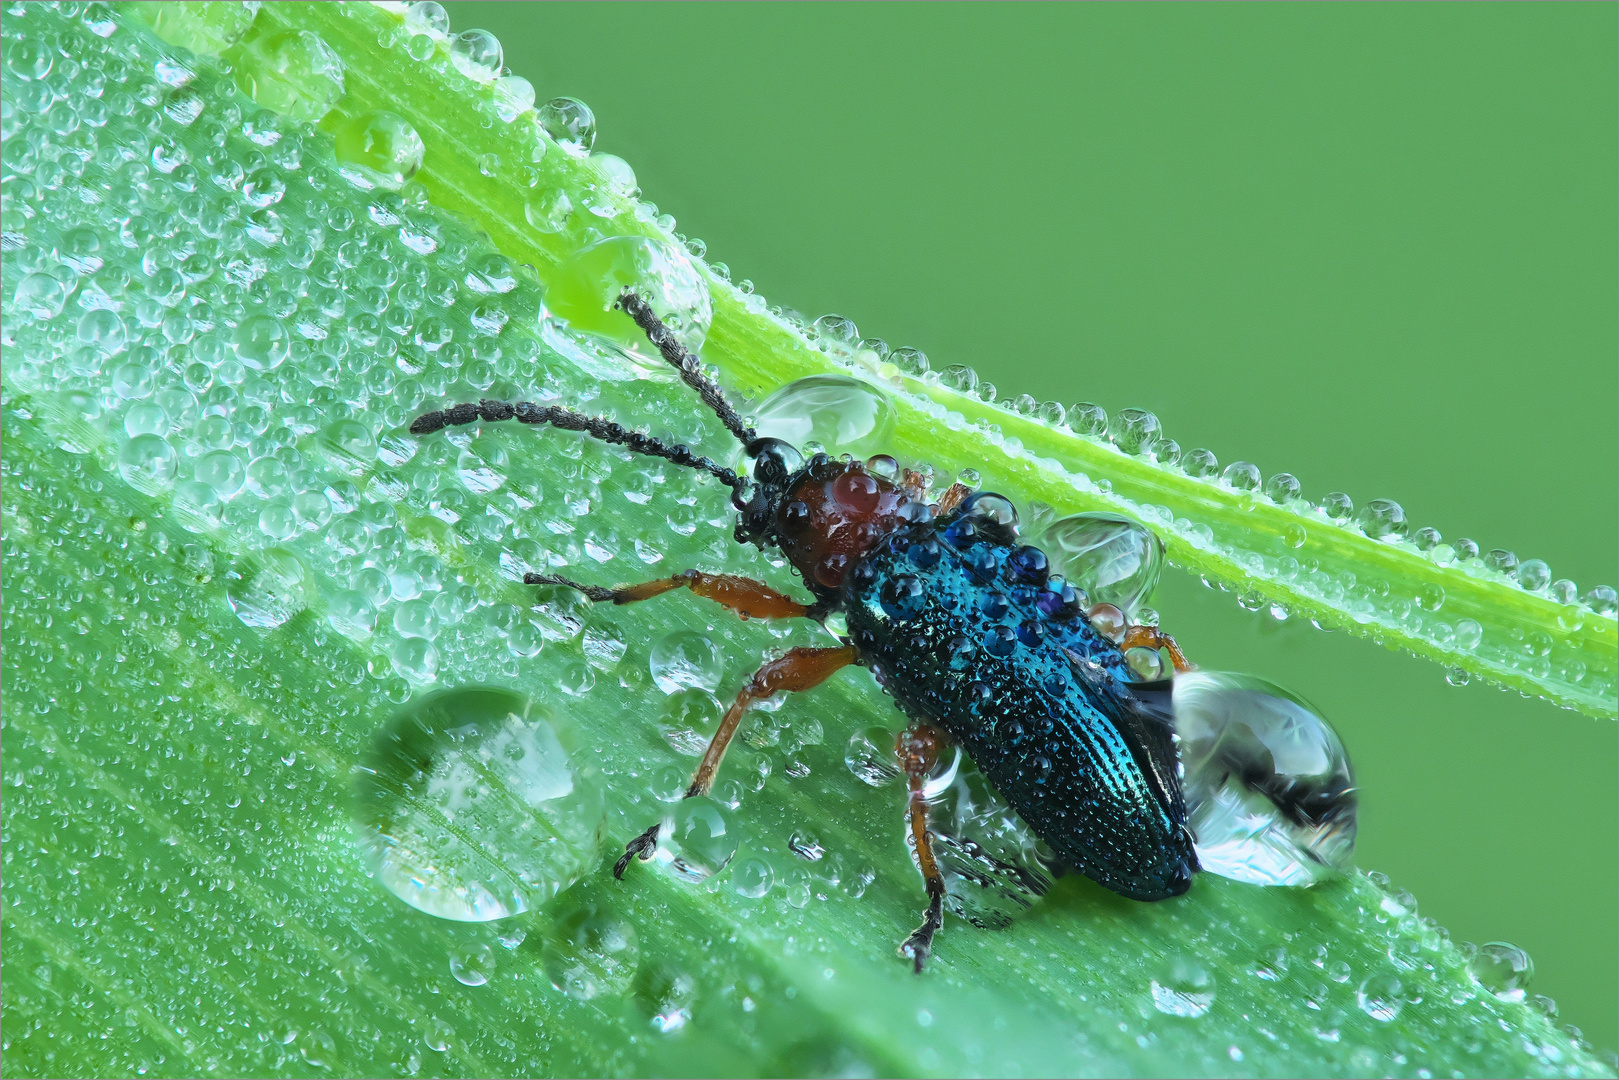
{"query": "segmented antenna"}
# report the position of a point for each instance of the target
(690, 368)
(598, 427)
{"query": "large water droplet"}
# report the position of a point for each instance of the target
(294, 73)
(840, 412)
(378, 150)
(591, 953)
(267, 588)
(1269, 788)
(467, 806)
(703, 840)
(1115, 559)
(1183, 988)
(1503, 969)
(684, 660)
(208, 29)
(587, 285)
(103, 331)
(992, 863)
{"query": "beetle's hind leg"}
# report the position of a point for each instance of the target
(1149, 637)
(799, 669)
(918, 748)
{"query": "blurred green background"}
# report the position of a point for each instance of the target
(1369, 244)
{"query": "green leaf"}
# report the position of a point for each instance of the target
(184, 735)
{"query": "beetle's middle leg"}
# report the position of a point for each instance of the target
(799, 669)
(748, 598)
(918, 747)
(1150, 637)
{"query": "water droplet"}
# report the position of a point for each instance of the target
(591, 953)
(689, 719)
(267, 588)
(295, 73)
(317, 1048)
(477, 55)
(1503, 969)
(1183, 988)
(378, 150)
(1604, 599)
(262, 342)
(439, 1035)
(587, 285)
(1147, 664)
(147, 463)
(207, 31)
(1431, 597)
(1133, 430)
(685, 660)
(753, 878)
(1241, 476)
(103, 331)
(548, 211)
(469, 808)
(514, 96)
(1115, 559)
(1534, 575)
(806, 846)
(41, 295)
(703, 840)
(871, 756)
(1382, 519)
(427, 17)
(569, 123)
(222, 471)
(482, 465)
(1381, 997)
(1269, 788)
(840, 412)
(1457, 676)
(665, 994)
(473, 965)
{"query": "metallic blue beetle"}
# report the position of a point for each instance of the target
(969, 632)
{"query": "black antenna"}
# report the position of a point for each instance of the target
(684, 362)
(596, 426)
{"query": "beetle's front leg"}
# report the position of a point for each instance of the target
(918, 747)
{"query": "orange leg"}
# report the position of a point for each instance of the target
(800, 669)
(918, 748)
(748, 598)
(952, 498)
(1149, 637)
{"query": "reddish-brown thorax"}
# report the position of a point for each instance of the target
(835, 516)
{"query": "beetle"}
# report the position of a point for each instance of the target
(971, 634)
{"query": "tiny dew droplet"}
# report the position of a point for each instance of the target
(1183, 988)
(267, 588)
